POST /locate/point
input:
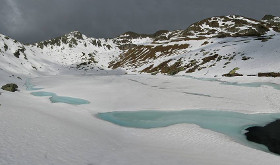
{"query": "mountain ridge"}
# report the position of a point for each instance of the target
(213, 46)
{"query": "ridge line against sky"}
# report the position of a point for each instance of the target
(35, 20)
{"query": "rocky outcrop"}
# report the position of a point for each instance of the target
(232, 73)
(269, 74)
(127, 46)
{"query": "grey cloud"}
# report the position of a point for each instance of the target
(36, 20)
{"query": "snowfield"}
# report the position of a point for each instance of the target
(36, 131)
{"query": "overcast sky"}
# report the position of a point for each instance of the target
(35, 20)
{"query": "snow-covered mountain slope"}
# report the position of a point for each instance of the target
(18, 60)
(213, 46)
(75, 49)
(227, 26)
(72, 51)
(214, 56)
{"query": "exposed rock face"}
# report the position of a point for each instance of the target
(10, 87)
(269, 74)
(142, 54)
(127, 46)
(233, 73)
(268, 135)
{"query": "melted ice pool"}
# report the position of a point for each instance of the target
(30, 87)
(232, 124)
(61, 99)
(54, 98)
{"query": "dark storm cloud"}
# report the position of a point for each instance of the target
(35, 20)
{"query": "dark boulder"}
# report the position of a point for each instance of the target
(10, 87)
(268, 135)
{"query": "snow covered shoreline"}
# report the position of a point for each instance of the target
(36, 131)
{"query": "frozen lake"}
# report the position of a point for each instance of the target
(67, 134)
(232, 124)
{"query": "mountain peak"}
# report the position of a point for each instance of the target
(75, 34)
(133, 35)
(271, 19)
(226, 26)
(71, 39)
(268, 17)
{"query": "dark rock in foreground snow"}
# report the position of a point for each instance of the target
(268, 135)
(10, 87)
